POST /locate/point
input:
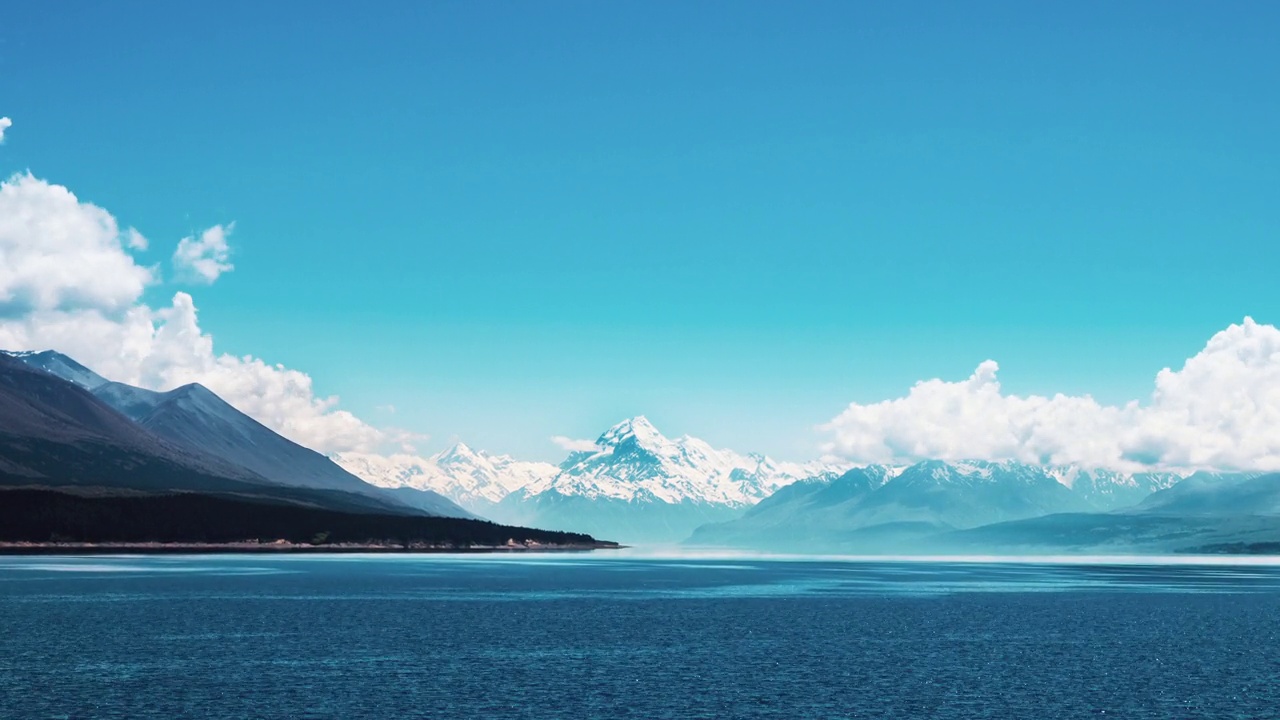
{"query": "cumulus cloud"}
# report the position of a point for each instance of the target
(5, 124)
(57, 253)
(1221, 410)
(69, 283)
(203, 259)
(571, 445)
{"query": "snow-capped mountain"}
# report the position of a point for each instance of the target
(637, 485)
(55, 363)
(634, 462)
(1110, 489)
(472, 478)
(901, 507)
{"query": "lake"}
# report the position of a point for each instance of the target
(608, 635)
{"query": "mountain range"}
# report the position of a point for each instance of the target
(474, 479)
(64, 427)
(200, 424)
(635, 483)
(87, 460)
(1002, 507)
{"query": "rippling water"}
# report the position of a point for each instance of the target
(607, 635)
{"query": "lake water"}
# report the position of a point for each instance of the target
(611, 635)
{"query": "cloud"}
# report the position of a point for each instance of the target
(5, 124)
(204, 259)
(61, 254)
(69, 283)
(134, 240)
(571, 445)
(1221, 410)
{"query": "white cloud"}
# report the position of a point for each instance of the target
(571, 445)
(134, 240)
(205, 258)
(5, 124)
(1220, 411)
(59, 253)
(69, 284)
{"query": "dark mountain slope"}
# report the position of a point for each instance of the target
(194, 418)
(56, 433)
(55, 363)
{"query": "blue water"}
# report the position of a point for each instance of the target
(607, 636)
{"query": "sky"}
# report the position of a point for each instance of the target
(504, 222)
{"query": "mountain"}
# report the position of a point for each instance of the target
(196, 420)
(1207, 494)
(1112, 490)
(75, 469)
(633, 461)
(799, 515)
(54, 433)
(56, 363)
(471, 478)
(637, 485)
(870, 509)
(967, 494)
(1008, 507)
(1203, 513)
(40, 411)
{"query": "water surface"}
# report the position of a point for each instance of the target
(610, 635)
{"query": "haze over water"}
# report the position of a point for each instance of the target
(612, 635)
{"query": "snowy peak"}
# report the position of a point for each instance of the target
(460, 454)
(1103, 489)
(471, 478)
(633, 462)
(636, 462)
(55, 363)
(637, 430)
(972, 472)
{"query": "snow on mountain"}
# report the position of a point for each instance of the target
(471, 478)
(1101, 488)
(58, 364)
(633, 461)
(1110, 489)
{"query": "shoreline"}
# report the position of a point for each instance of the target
(282, 547)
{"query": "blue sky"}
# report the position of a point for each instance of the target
(514, 220)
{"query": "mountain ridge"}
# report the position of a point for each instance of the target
(197, 421)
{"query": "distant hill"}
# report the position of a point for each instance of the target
(968, 507)
(867, 505)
